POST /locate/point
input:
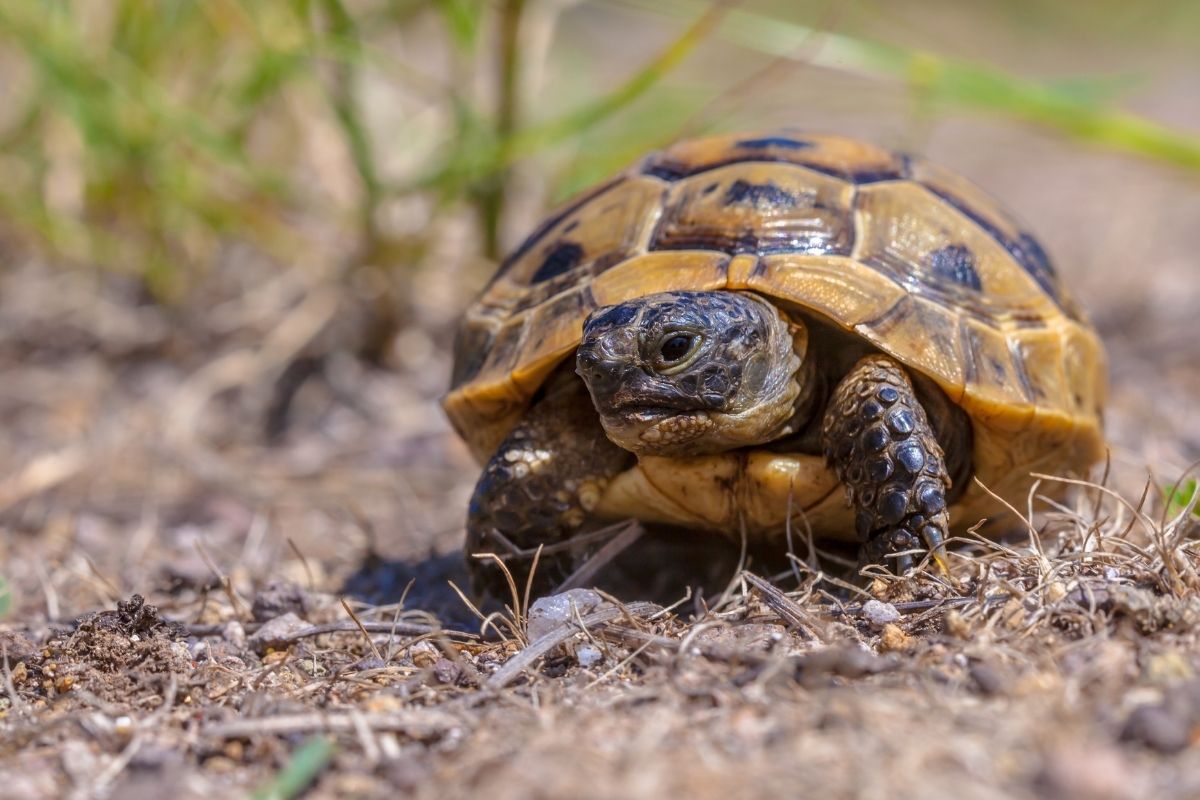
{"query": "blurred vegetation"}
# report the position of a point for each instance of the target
(302, 768)
(1181, 497)
(149, 136)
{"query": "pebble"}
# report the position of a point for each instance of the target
(879, 613)
(275, 631)
(588, 655)
(547, 613)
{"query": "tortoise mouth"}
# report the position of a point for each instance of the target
(650, 412)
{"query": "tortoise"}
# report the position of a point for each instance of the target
(744, 330)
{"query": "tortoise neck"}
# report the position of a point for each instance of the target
(812, 383)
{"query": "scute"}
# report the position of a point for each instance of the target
(973, 203)
(908, 255)
(912, 235)
(758, 208)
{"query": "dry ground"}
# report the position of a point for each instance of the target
(133, 462)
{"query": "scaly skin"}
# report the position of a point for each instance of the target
(877, 437)
(539, 487)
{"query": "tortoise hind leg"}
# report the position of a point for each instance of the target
(538, 488)
(878, 439)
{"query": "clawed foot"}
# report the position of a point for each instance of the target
(897, 548)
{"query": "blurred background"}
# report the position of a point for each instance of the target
(235, 236)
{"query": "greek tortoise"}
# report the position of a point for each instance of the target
(743, 325)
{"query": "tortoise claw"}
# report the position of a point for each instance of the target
(932, 536)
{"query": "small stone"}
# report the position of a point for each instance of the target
(1159, 728)
(878, 613)
(588, 655)
(1013, 614)
(234, 633)
(990, 681)
(278, 598)
(275, 632)
(1164, 669)
(1055, 592)
(548, 613)
(895, 639)
(446, 671)
(424, 654)
(956, 624)
(1092, 772)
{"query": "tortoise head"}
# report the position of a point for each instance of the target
(689, 373)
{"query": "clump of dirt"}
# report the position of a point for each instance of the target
(113, 653)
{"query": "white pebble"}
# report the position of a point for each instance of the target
(588, 655)
(879, 613)
(547, 613)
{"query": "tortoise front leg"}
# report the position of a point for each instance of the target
(539, 487)
(878, 439)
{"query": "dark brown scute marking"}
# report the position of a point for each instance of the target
(878, 175)
(562, 257)
(1029, 252)
(549, 223)
(471, 344)
(668, 170)
(785, 142)
(902, 171)
(755, 241)
(759, 195)
(955, 263)
(1025, 249)
(609, 260)
(672, 170)
(763, 217)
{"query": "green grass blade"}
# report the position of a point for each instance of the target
(477, 160)
(306, 763)
(1180, 496)
(1080, 109)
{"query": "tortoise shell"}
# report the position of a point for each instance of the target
(905, 254)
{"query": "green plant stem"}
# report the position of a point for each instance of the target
(491, 194)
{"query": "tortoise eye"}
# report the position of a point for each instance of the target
(676, 347)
